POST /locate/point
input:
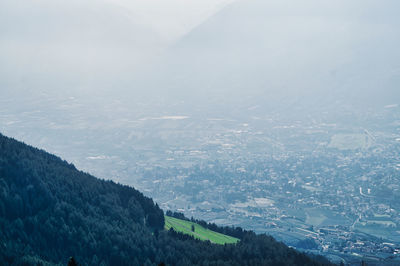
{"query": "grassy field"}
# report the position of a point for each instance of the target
(199, 231)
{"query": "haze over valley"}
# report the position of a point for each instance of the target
(281, 117)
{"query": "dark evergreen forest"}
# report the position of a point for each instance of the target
(50, 211)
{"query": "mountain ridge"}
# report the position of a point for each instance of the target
(324, 50)
(49, 211)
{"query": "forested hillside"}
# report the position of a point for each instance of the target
(50, 211)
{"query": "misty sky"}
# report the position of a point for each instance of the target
(284, 45)
(172, 18)
(75, 42)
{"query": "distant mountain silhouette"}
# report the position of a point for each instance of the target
(70, 46)
(310, 50)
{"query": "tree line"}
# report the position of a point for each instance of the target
(50, 211)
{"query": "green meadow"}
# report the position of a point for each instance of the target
(199, 231)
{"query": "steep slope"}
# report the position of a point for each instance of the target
(308, 50)
(50, 211)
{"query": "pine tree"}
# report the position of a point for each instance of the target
(72, 262)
